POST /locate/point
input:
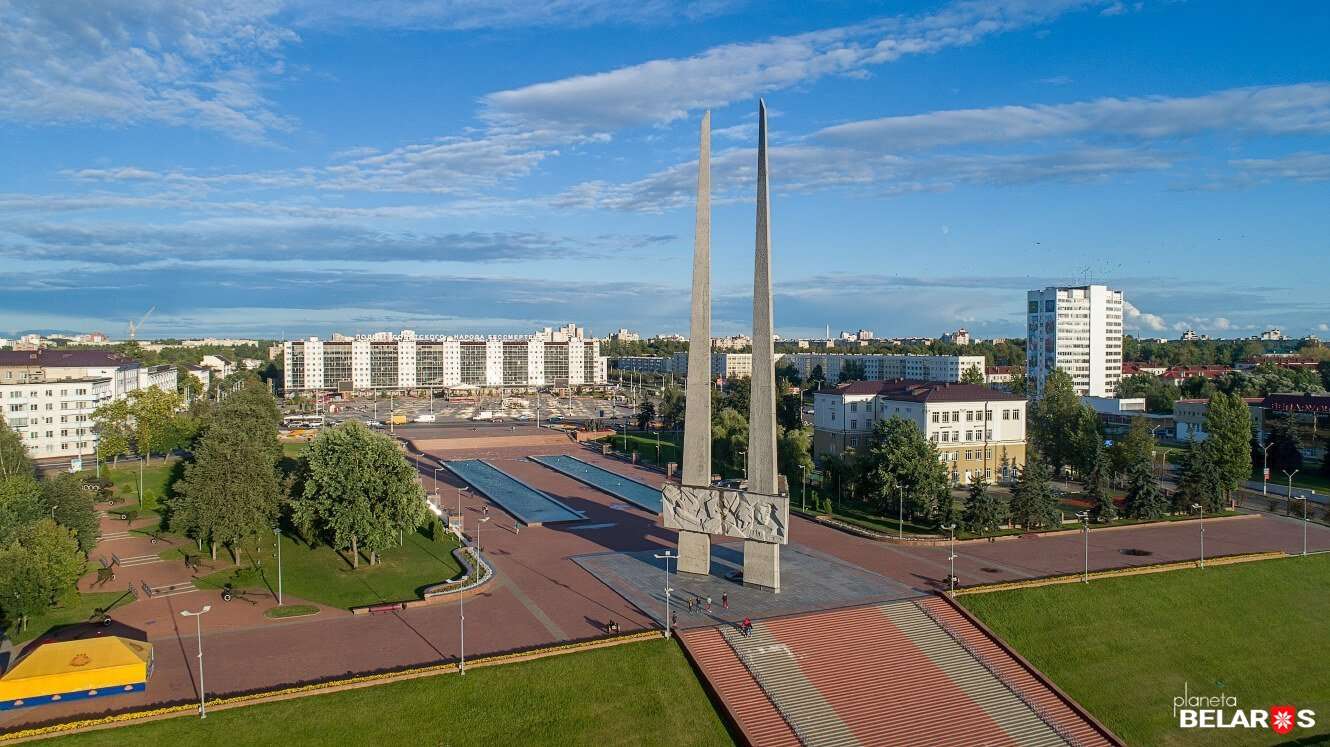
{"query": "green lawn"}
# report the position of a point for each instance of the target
(634, 694)
(644, 443)
(295, 450)
(157, 478)
(75, 608)
(1124, 647)
(1309, 477)
(322, 575)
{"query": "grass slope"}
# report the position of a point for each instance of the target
(156, 482)
(320, 574)
(635, 694)
(74, 608)
(1124, 647)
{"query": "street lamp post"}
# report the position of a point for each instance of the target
(1084, 516)
(900, 511)
(1305, 501)
(277, 539)
(198, 620)
(1290, 480)
(951, 557)
(803, 494)
(667, 556)
(1265, 468)
(1201, 509)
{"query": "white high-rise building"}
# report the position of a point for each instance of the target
(1078, 330)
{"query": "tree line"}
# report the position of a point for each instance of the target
(354, 489)
(47, 528)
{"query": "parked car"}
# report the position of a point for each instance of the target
(428, 417)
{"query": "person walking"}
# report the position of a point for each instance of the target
(690, 606)
(746, 627)
(708, 607)
(725, 600)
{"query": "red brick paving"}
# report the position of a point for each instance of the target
(540, 595)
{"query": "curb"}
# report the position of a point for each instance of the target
(938, 541)
(1140, 570)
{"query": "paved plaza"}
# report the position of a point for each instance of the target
(812, 581)
(546, 589)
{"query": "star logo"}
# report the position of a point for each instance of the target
(1281, 719)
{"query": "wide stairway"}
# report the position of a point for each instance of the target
(911, 672)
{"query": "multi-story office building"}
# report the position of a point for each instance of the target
(977, 430)
(885, 367)
(551, 357)
(1078, 330)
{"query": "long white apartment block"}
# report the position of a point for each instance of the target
(1078, 330)
(886, 366)
(551, 357)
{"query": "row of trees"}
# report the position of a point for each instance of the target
(355, 490)
(147, 421)
(47, 528)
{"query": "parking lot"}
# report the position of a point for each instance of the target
(515, 408)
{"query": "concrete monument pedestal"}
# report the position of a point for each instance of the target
(762, 565)
(694, 552)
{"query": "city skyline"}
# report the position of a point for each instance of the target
(287, 170)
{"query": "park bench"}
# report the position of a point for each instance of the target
(383, 609)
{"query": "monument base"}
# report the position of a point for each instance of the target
(762, 565)
(694, 552)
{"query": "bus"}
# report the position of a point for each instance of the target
(303, 421)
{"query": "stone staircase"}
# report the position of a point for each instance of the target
(135, 560)
(1003, 705)
(911, 672)
(734, 686)
(773, 665)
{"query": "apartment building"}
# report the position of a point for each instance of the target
(54, 418)
(1078, 330)
(642, 364)
(887, 366)
(977, 430)
(551, 357)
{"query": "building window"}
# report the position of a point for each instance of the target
(1015, 414)
(1006, 414)
(935, 418)
(946, 417)
(969, 416)
(854, 424)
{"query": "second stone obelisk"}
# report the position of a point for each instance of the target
(695, 547)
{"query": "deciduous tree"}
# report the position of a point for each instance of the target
(1228, 423)
(36, 568)
(899, 459)
(72, 503)
(359, 491)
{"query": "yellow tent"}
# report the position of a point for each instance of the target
(73, 670)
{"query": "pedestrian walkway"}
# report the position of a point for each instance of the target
(934, 677)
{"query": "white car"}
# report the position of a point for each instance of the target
(425, 418)
(373, 423)
(523, 416)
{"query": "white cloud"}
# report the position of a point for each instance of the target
(1139, 320)
(478, 14)
(808, 168)
(202, 63)
(1323, 327)
(1269, 110)
(665, 90)
(1302, 167)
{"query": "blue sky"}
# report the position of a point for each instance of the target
(264, 167)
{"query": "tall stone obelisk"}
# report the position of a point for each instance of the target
(695, 547)
(762, 559)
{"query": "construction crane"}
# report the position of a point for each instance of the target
(134, 328)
